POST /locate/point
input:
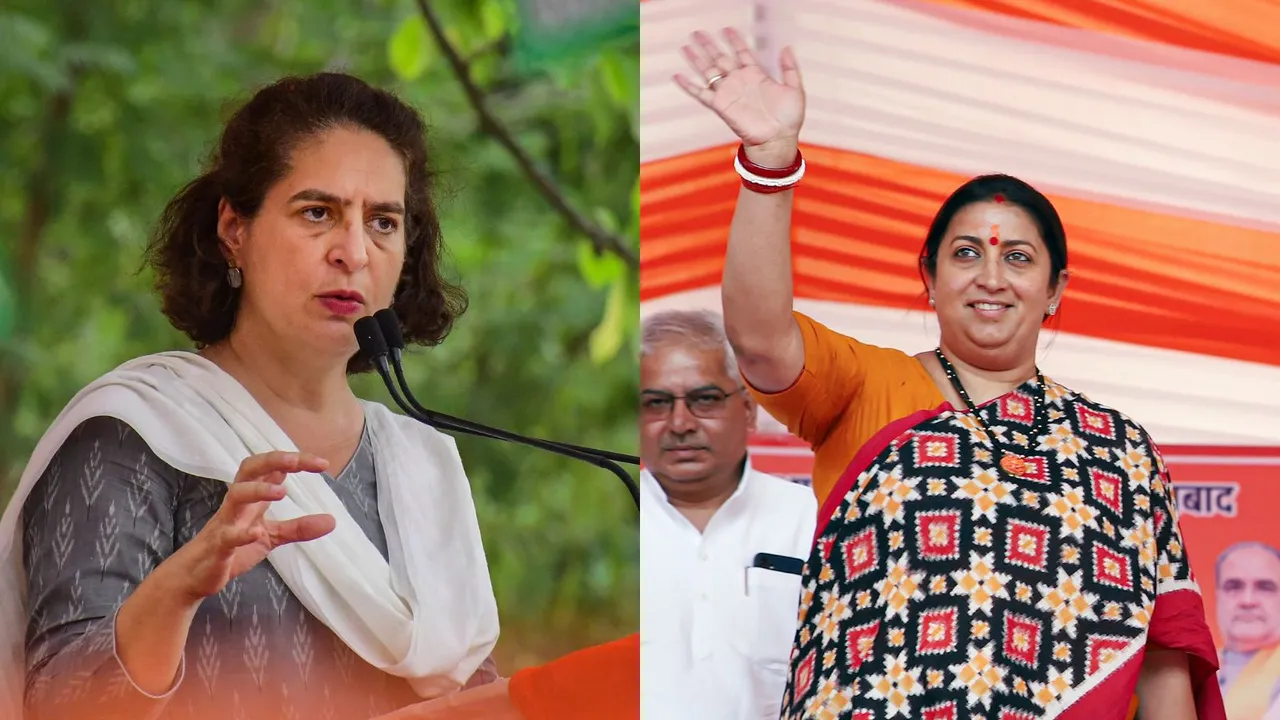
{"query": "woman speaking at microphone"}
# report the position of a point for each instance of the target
(991, 543)
(232, 532)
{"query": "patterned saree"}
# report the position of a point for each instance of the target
(940, 588)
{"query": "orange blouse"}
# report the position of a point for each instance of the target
(847, 392)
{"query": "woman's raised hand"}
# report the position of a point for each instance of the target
(764, 113)
(238, 536)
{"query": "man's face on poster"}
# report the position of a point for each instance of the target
(1249, 599)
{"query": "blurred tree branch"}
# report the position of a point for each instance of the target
(497, 44)
(602, 240)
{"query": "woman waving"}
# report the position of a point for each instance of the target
(991, 543)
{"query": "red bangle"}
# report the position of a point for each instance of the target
(766, 180)
(763, 171)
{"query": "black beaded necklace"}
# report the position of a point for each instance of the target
(1010, 462)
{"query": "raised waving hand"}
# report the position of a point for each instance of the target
(765, 113)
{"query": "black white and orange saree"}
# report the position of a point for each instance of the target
(940, 588)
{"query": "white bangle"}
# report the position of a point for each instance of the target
(751, 177)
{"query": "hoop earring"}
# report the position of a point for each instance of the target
(235, 278)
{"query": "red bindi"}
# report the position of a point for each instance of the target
(999, 198)
(995, 240)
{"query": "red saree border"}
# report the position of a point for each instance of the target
(1110, 699)
(1179, 624)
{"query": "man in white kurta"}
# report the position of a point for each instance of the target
(721, 543)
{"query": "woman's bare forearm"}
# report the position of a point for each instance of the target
(1164, 686)
(152, 627)
(756, 291)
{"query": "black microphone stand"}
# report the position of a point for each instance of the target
(390, 326)
(373, 343)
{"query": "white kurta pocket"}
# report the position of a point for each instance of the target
(769, 608)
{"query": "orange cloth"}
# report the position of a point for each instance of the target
(491, 701)
(595, 683)
(847, 393)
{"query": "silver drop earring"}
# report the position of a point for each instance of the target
(235, 278)
(931, 302)
(1053, 308)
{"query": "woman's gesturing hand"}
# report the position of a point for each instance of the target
(764, 113)
(238, 536)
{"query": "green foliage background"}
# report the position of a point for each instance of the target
(106, 109)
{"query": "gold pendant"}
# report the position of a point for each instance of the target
(1013, 464)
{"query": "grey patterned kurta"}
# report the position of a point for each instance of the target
(103, 515)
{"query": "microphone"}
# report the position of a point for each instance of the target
(390, 326)
(373, 343)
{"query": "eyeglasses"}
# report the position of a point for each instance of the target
(706, 403)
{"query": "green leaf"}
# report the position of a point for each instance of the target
(493, 19)
(606, 340)
(407, 50)
(484, 69)
(617, 78)
(598, 269)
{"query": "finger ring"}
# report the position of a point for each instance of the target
(711, 84)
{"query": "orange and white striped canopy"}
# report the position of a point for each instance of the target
(1153, 127)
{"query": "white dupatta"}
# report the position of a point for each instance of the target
(428, 616)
